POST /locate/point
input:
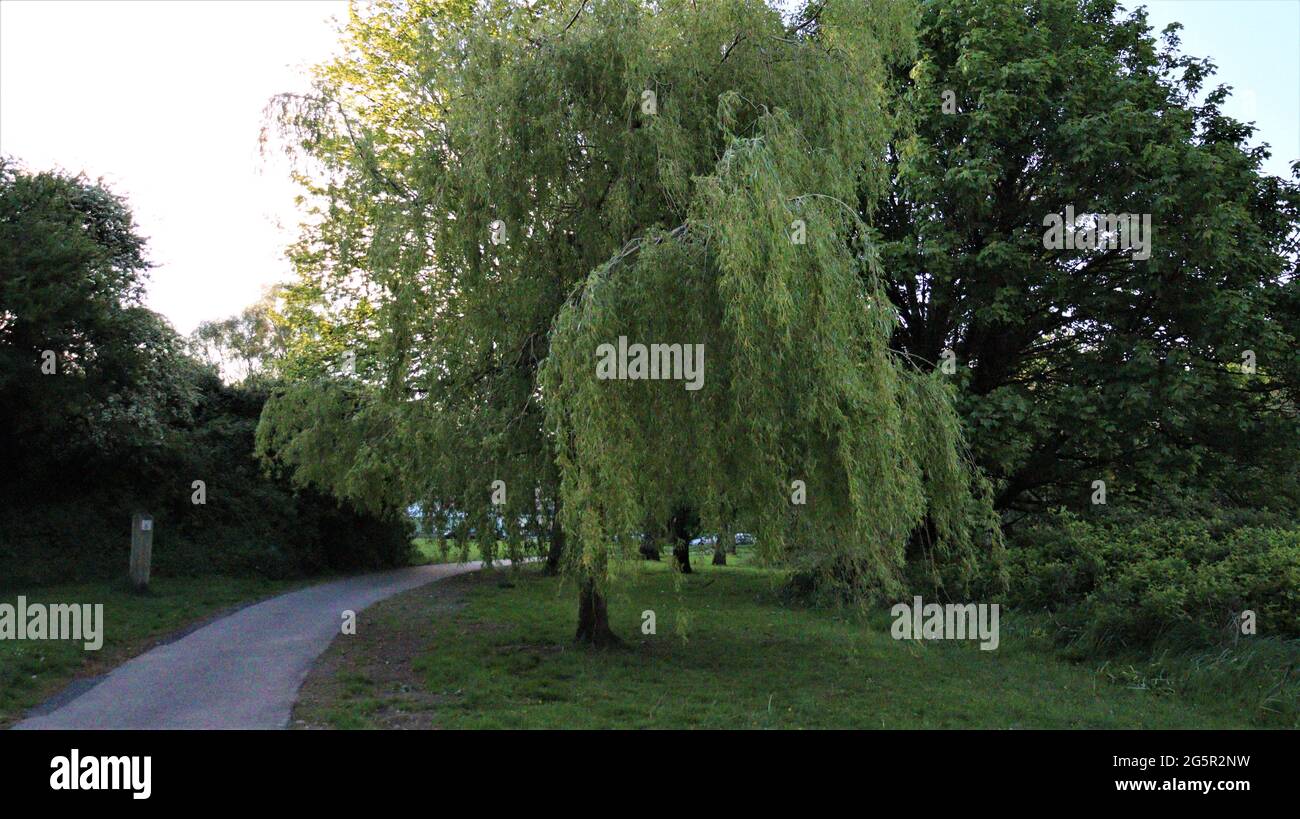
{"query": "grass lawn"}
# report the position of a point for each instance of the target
(493, 650)
(427, 551)
(33, 670)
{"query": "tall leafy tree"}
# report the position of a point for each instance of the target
(1093, 364)
(370, 140)
(83, 371)
(670, 172)
(103, 413)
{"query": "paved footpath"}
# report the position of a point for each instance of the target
(242, 671)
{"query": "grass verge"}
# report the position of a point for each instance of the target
(493, 650)
(33, 670)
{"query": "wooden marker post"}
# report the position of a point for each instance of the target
(141, 550)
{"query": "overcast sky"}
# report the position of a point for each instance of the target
(164, 100)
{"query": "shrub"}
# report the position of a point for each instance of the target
(251, 524)
(1123, 582)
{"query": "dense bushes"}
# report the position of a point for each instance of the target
(251, 523)
(105, 412)
(1121, 582)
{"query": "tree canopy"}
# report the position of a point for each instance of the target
(674, 173)
(79, 354)
(104, 412)
(825, 205)
(1091, 364)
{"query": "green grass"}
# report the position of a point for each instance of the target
(427, 550)
(32, 670)
(493, 650)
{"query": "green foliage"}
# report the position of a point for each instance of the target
(801, 385)
(669, 223)
(441, 400)
(1084, 365)
(1159, 598)
(127, 420)
(249, 345)
(251, 523)
(71, 277)
(1125, 583)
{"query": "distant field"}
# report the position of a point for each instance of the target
(493, 650)
(428, 550)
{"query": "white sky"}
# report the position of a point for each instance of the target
(164, 100)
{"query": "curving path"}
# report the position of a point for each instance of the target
(242, 671)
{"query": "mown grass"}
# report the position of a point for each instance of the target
(33, 670)
(427, 550)
(493, 650)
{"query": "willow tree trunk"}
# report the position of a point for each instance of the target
(720, 548)
(682, 526)
(557, 548)
(593, 618)
(649, 547)
(682, 556)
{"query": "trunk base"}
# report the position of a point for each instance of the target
(593, 620)
(719, 557)
(556, 551)
(682, 558)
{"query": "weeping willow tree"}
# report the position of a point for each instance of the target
(535, 185)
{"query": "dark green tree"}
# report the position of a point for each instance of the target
(82, 363)
(1090, 364)
(103, 413)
